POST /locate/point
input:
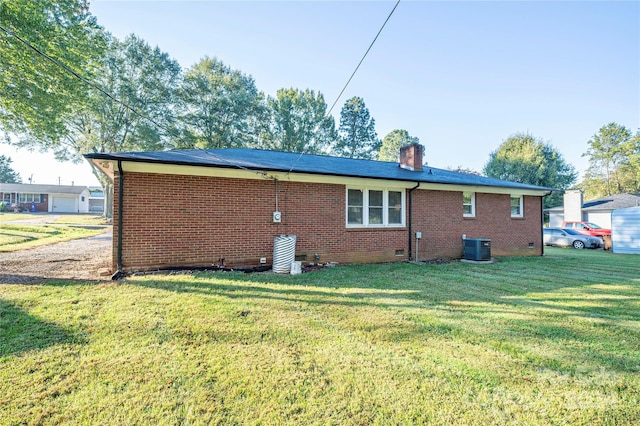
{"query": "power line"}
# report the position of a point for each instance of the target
(352, 74)
(363, 56)
(166, 129)
(107, 94)
(78, 76)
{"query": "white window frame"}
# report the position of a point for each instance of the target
(385, 208)
(521, 205)
(28, 197)
(473, 205)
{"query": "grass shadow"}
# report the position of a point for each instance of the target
(540, 310)
(22, 332)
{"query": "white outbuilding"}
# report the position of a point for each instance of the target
(625, 230)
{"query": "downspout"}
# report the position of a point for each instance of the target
(542, 222)
(410, 217)
(118, 274)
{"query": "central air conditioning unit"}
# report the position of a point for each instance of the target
(478, 249)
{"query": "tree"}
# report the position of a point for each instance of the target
(36, 94)
(297, 121)
(524, 158)
(465, 170)
(138, 115)
(614, 160)
(391, 144)
(220, 107)
(357, 137)
(7, 174)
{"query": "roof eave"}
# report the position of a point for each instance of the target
(107, 163)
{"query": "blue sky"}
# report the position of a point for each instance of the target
(461, 76)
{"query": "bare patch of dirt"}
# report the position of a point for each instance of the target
(87, 259)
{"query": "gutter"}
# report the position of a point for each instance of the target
(410, 216)
(119, 274)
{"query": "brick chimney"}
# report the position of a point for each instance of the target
(573, 205)
(411, 157)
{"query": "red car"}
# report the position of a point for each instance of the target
(587, 228)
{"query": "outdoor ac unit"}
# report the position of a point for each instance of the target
(477, 249)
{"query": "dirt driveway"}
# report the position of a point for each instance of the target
(87, 259)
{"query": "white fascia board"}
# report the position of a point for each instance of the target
(483, 189)
(237, 173)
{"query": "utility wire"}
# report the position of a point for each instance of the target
(166, 129)
(352, 74)
(78, 76)
(109, 95)
(363, 56)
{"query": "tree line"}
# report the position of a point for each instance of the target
(68, 86)
(131, 96)
(614, 164)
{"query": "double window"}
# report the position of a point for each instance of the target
(29, 198)
(374, 207)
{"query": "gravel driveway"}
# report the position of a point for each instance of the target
(87, 259)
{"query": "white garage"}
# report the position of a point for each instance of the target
(64, 204)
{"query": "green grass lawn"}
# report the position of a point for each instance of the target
(6, 217)
(541, 340)
(20, 237)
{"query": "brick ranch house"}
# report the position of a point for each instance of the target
(188, 208)
(45, 198)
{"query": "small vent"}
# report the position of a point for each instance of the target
(400, 252)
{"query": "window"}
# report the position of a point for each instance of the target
(29, 198)
(469, 204)
(517, 206)
(355, 207)
(374, 207)
(394, 213)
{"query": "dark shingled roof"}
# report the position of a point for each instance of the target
(612, 202)
(261, 160)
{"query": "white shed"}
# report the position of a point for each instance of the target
(625, 230)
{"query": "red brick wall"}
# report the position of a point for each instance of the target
(438, 215)
(189, 220)
(172, 220)
(40, 207)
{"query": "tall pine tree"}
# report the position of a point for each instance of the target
(357, 137)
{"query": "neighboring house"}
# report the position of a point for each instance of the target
(197, 207)
(625, 230)
(45, 198)
(594, 211)
(96, 199)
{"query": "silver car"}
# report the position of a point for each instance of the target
(569, 238)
